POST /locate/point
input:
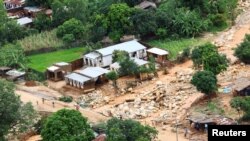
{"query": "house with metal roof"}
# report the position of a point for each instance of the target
(88, 76)
(103, 57)
(116, 66)
(160, 55)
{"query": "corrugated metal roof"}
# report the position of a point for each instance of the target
(93, 72)
(115, 65)
(24, 21)
(130, 46)
(139, 62)
(52, 68)
(92, 55)
(32, 9)
(158, 51)
(77, 77)
(62, 64)
(15, 73)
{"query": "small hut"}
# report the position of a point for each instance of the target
(57, 71)
(242, 87)
(3, 70)
(86, 78)
(15, 75)
(160, 55)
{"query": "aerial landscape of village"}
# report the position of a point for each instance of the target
(124, 70)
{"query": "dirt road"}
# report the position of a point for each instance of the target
(35, 95)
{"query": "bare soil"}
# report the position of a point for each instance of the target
(227, 40)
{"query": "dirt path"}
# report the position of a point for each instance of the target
(35, 95)
(227, 41)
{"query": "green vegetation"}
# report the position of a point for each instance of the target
(41, 61)
(47, 39)
(176, 46)
(71, 30)
(12, 55)
(67, 125)
(113, 76)
(15, 116)
(243, 50)
(208, 56)
(205, 81)
(242, 103)
(214, 107)
(129, 130)
(67, 99)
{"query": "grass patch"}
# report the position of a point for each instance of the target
(215, 29)
(175, 46)
(47, 39)
(215, 108)
(41, 61)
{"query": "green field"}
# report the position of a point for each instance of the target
(41, 61)
(175, 46)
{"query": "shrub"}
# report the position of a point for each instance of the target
(243, 50)
(242, 103)
(67, 99)
(205, 81)
(161, 32)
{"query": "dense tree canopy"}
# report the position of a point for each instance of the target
(64, 10)
(67, 125)
(119, 55)
(243, 103)
(205, 81)
(243, 50)
(12, 112)
(144, 22)
(215, 63)
(208, 56)
(9, 104)
(72, 28)
(129, 130)
(128, 67)
(117, 21)
(189, 23)
(12, 55)
(42, 22)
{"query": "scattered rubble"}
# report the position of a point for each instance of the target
(93, 99)
(164, 98)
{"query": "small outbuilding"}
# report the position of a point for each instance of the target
(25, 21)
(77, 80)
(242, 87)
(15, 75)
(57, 71)
(3, 70)
(86, 78)
(160, 55)
(116, 66)
(96, 74)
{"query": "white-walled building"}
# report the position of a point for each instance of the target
(103, 57)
